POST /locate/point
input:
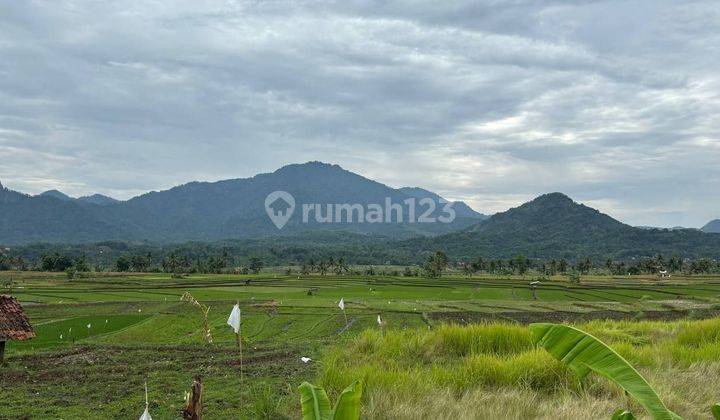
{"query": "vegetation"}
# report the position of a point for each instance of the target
(316, 404)
(446, 346)
(584, 353)
(474, 371)
(225, 258)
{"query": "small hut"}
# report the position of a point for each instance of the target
(14, 324)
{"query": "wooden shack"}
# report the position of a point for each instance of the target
(14, 324)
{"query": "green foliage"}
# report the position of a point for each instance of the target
(584, 353)
(435, 264)
(621, 414)
(715, 410)
(55, 262)
(574, 277)
(699, 333)
(316, 404)
(266, 405)
(481, 339)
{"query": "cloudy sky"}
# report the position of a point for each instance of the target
(616, 103)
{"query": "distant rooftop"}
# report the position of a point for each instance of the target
(14, 324)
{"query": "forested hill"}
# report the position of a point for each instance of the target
(712, 227)
(549, 227)
(554, 226)
(210, 211)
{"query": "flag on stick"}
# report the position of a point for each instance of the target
(234, 319)
(341, 305)
(146, 413)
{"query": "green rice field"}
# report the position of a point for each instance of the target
(100, 337)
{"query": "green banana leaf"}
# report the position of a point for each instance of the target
(348, 405)
(621, 414)
(583, 353)
(715, 409)
(315, 402)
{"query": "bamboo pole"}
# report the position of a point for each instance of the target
(238, 337)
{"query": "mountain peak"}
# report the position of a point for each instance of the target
(311, 166)
(56, 194)
(554, 197)
(713, 226)
(549, 214)
(98, 199)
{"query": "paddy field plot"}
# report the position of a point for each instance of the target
(139, 329)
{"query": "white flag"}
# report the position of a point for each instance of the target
(234, 319)
(341, 305)
(379, 320)
(89, 325)
(305, 359)
(146, 415)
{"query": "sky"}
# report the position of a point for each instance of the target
(615, 103)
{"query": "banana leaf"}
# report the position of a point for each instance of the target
(315, 402)
(584, 353)
(621, 414)
(348, 405)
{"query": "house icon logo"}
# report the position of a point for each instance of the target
(279, 206)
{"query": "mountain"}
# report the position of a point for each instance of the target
(56, 194)
(211, 211)
(656, 227)
(461, 209)
(9, 196)
(554, 226)
(98, 199)
(712, 227)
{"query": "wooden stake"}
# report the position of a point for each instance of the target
(193, 409)
(239, 343)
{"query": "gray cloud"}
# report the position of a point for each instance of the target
(612, 102)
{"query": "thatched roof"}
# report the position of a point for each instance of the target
(14, 324)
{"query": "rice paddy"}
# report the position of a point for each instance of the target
(458, 341)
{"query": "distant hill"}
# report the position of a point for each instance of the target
(554, 226)
(670, 228)
(209, 211)
(98, 199)
(461, 209)
(551, 226)
(712, 227)
(56, 194)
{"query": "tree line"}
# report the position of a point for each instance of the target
(434, 265)
(654, 265)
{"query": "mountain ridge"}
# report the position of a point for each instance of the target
(712, 226)
(554, 226)
(207, 211)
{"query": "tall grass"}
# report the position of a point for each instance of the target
(488, 366)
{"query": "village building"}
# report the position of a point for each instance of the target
(14, 324)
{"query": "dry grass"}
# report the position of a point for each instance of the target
(492, 371)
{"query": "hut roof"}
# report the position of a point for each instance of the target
(14, 324)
